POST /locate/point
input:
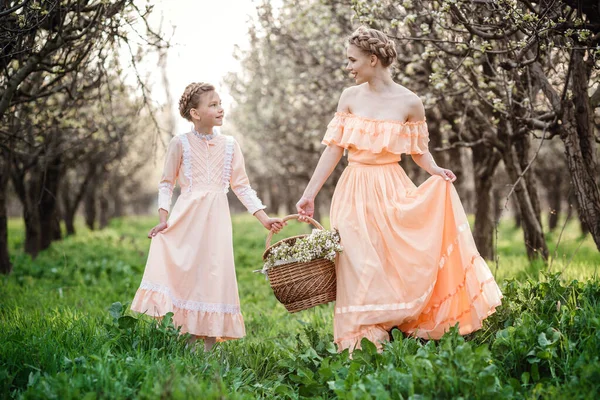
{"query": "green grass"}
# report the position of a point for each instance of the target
(571, 255)
(66, 332)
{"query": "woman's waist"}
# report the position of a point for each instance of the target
(356, 164)
(370, 158)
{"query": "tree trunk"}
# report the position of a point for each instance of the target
(274, 195)
(71, 198)
(117, 197)
(497, 194)
(574, 208)
(68, 207)
(579, 140)
(5, 265)
(69, 219)
(517, 213)
(89, 204)
(485, 161)
(532, 228)
(48, 205)
(522, 148)
(31, 214)
(580, 148)
(24, 186)
(290, 196)
(554, 191)
(104, 211)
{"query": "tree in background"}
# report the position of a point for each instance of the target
(62, 101)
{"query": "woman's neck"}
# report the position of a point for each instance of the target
(382, 82)
(203, 129)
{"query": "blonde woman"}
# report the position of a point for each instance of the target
(409, 258)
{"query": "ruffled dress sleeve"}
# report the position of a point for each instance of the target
(170, 174)
(353, 132)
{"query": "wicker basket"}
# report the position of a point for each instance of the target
(301, 285)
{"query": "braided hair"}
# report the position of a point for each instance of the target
(375, 42)
(191, 97)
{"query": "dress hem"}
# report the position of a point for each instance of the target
(221, 325)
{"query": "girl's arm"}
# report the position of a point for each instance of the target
(240, 184)
(167, 183)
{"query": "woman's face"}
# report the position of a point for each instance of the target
(209, 111)
(359, 64)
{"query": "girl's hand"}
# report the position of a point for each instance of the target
(156, 229)
(306, 208)
(274, 224)
(445, 173)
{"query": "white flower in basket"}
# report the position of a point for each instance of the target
(319, 244)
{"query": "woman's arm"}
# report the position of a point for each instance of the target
(425, 160)
(329, 159)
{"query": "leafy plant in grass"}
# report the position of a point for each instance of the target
(406, 368)
(547, 332)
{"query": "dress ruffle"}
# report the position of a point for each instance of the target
(472, 296)
(375, 334)
(222, 325)
(377, 136)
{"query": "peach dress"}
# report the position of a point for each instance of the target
(190, 269)
(409, 258)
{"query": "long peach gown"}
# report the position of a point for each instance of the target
(190, 269)
(409, 258)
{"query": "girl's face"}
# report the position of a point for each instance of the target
(209, 111)
(360, 64)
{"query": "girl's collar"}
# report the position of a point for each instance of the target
(205, 136)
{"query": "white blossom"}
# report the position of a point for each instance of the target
(319, 244)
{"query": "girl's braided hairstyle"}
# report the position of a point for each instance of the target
(375, 42)
(191, 97)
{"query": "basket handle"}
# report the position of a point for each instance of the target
(293, 216)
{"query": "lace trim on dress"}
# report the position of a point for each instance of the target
(249, 198)
(227, 166)
(205, 136)
(187, 161)
(165, 192)
(191, 305)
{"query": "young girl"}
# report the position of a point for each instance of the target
(190, 269)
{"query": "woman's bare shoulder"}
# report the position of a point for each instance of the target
(348, 95)
(406, 93)
(411, 104)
